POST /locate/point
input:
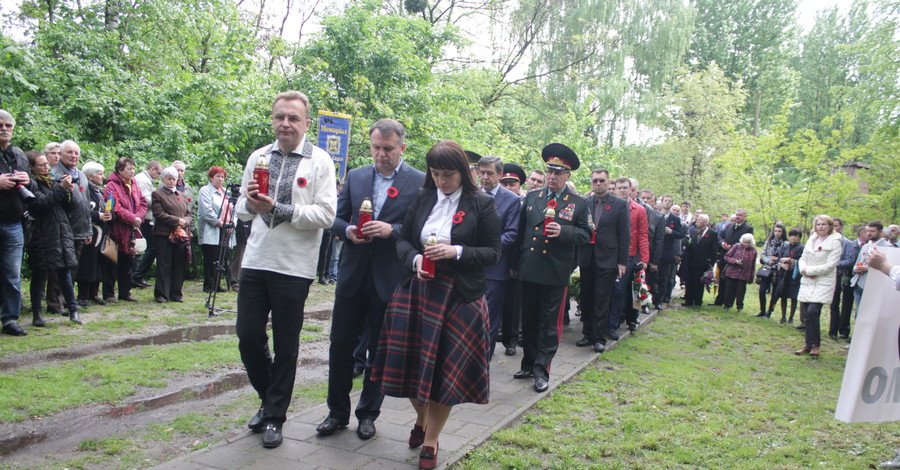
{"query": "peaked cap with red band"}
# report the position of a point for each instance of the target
(559, 157)
(512, 171)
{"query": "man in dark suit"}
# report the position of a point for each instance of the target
(603, 260)
(513, 178)
(728, 236)
(369, 271)
(509, 207)
(657, 224)
(700, 255)
(546, 258)
(673, 234)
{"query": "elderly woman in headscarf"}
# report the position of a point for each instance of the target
(215, 212)
(171, 236)
(93, 267)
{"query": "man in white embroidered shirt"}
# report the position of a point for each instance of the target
(280, 259)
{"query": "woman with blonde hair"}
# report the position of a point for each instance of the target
(818, 268)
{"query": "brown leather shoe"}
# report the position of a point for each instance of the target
(814, 351)
(803, 351)
(428, 458)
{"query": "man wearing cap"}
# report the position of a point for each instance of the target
(546, 258)
(603, 260)
(509, 207)
(474, 158)
(513, 178)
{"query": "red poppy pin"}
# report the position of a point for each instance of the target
(551, 204)
(608, 207)
(301, 182)
(458, 217)
(179, 198)
(393, 192)
(81, 189)
(820, 248)
(190, 199)
(706, 236)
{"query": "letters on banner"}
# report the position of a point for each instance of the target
(870, 391)
(333, 135)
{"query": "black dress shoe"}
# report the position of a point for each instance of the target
(357, 371)
(599, 347)
(611, 334)
(832, 336)
(632, 326)
(510, 351)
(584, 342)
(541, 385)
(366, 429)
(13, 329)
(523, 374)
(98, 301)
(330, 425)
(139, 283)
(272, 436)
(256, 422)
(687, 304)
(128, 299)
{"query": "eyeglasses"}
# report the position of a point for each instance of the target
(598, 180)
(293, 119)
(6, 125)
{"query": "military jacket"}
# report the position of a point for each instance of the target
(550, 261)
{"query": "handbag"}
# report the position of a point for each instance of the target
(138, 241)
(763, 273)
(109, 249)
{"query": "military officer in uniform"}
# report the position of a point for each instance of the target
(513, 178)
(546, 258)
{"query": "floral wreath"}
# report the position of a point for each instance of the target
(458, 217)
(551, 204)
(301, 182)
(392, 192)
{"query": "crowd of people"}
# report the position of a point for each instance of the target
(91, 238)
(432, 269)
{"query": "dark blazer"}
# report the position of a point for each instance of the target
(167, 208)
(671, 240)
(613, 236)
(700, 254)
(509, 207)
(550, 261)
(731, 235)
(656, 232)
(381, 255)
(52, 244)
(478, 233)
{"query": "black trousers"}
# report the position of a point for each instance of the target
(170, 263)
(55, 295)
(666, 281)
(210, 256)
(284, 296)
(763, 289)
(595, 296)
(64, 279)
(812, 313)
(735, 289)
(542, 307)
(142, 267)
(494, 296)
(693, 294)
(123, 274)
(512, 313)
(841, 307)
(349, 316)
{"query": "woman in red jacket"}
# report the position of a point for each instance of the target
(129, 211)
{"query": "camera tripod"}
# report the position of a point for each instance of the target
(221, 263)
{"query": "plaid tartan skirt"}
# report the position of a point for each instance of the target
(433, 346)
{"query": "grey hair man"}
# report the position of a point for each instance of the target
(145, 180)
(13, 175)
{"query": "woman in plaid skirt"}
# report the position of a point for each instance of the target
(434, 342)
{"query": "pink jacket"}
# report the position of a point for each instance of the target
(128, 207)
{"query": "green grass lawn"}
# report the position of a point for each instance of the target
(697, 389)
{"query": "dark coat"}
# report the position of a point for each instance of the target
(671, 241)
(167, 208)
(613, 229)
(52, 246)
(509, 208)
(381, 255)
(478, 233)
(700, 253)
(93, 266)
(550, 261)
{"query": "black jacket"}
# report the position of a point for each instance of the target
(52, 245)
(478, 233)
(613, 236)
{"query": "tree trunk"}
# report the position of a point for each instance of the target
(756, 114)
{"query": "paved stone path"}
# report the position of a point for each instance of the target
(469, 425)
